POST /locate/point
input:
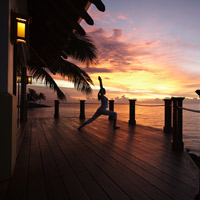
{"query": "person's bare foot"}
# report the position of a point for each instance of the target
(80, 127)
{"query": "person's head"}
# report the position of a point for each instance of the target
(101, 91)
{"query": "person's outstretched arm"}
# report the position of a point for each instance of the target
(101, 86)
(100, 81)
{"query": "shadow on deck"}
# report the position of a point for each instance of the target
(58, 162)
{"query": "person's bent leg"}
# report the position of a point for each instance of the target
(114, 115)
(114, 121)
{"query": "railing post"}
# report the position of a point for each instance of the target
(56, 114)
(82, 109)
(132, 111)
(177, 142)
(168, 116)
(111, 108)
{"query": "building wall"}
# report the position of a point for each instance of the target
(8, 101)
(4, 13)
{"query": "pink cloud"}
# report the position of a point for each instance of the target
(104, 17)
(113, 50)
(122, 17)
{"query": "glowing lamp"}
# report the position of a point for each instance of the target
(29, 79)
(19, 79)
(19, 29)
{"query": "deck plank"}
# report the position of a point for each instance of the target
(56, 161)
(115, 187)
(92, 188)
(138, 165)
(36, 183)
(53, 178)
(19, 188)
(156, 180)
(69, 178)
(144, 150)
(117, 172)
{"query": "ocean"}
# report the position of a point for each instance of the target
(147, 116)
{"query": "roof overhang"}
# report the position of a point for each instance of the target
(53, 23)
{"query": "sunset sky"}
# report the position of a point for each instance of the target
(146, 49)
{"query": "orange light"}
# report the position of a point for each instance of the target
(19, 79)
(21, 30)
(29, 79)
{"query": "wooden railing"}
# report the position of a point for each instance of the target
(173, 122)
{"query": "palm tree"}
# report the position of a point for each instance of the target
(79, 47)
(32, 95)
(41, 96)
(53, 38)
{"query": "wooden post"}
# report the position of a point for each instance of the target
(111, 108)
(82, 109)
(56, 114)
(177, 142)
(132, 111)
(168, 116)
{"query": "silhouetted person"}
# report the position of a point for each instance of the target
(102, 109)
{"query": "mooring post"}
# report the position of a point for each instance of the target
(177, 138)
(168, 116)
(82, 109)
(56, 113)
(111, 108)
(132, 111)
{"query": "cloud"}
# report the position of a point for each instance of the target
(121, 99)
(97, 70)
(104, 17)
(122, 17)
(121, 55)
(192, 86)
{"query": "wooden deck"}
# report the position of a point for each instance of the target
(58, 162)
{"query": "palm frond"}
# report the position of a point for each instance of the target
(41, 73)
(80, 78)
(81, 48)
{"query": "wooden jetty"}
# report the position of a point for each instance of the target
(56, 161)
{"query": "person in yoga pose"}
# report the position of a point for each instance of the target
(102, 109)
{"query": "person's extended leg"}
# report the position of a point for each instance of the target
(114, 115)
(96, 114)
